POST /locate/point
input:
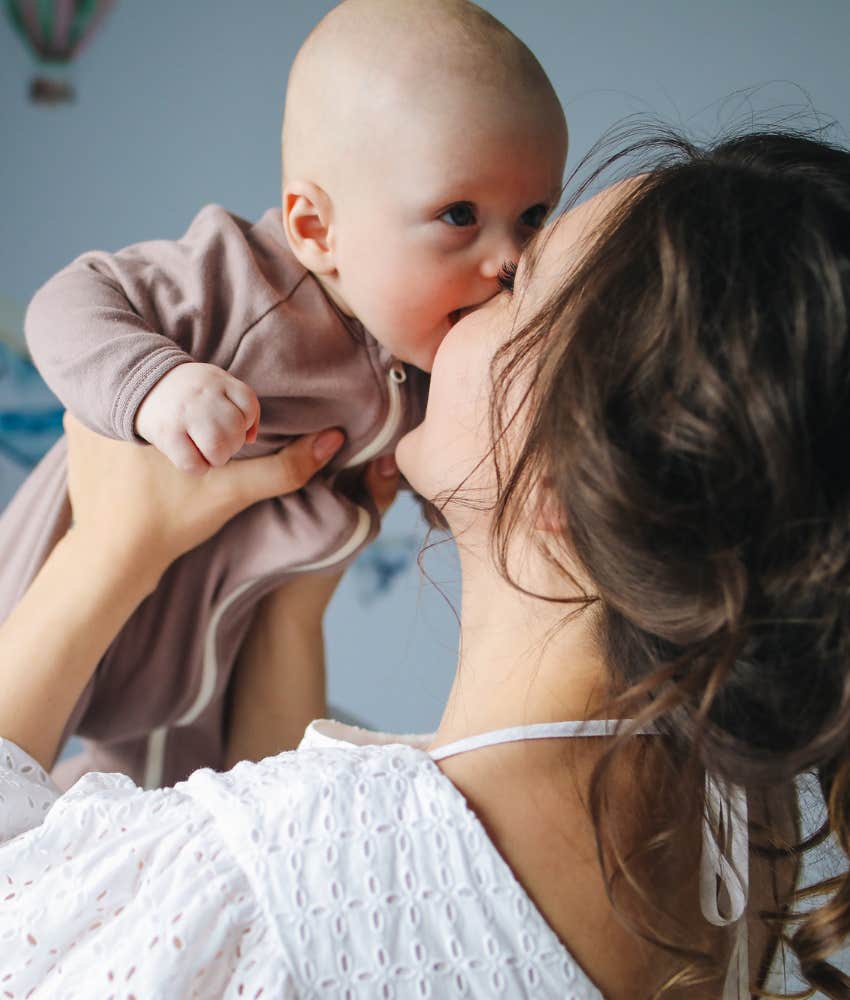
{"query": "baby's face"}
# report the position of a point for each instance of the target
(425, 227)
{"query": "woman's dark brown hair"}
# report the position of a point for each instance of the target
(690, 410)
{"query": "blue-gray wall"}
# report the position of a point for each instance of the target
(179, 104)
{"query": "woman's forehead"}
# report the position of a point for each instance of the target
(583, 220)
(558, 246)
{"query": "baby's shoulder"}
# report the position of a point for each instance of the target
(214, 221)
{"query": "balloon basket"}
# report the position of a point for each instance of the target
(50, 91)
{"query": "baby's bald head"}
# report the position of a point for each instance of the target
(423, 146)
(370, 66)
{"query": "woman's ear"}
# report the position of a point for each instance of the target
(550, 515)
(307, 220)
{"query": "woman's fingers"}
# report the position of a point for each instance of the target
(382, 479)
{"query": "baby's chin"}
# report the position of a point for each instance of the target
(422, 353)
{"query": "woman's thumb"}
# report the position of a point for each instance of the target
(382, 478)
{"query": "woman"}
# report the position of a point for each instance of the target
(639, 452)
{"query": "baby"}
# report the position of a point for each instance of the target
(422, 146)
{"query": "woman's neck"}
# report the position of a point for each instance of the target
(519, 662)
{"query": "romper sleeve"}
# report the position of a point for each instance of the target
(108, 327)
(109, 889)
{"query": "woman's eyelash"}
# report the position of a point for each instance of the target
(506, 275)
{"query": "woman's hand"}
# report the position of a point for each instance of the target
(132, 501)
(382, 479)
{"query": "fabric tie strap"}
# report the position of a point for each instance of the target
(725, 866)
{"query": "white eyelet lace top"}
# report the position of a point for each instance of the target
(351, 868)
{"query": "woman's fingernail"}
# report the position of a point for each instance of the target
(327, 443)
(387, 466)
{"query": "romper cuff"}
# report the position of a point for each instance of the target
(138, 384)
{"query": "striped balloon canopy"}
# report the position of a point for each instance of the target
(55, 31)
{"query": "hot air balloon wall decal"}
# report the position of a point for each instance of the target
(55, 32)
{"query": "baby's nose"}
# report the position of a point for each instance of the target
(503, 248)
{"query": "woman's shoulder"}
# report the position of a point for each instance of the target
(339, 776)
(368, 858)
(353, 855)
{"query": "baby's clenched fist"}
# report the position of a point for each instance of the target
(198, 416)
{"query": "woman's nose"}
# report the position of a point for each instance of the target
(498, 250)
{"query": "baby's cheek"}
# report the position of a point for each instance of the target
(410, 315)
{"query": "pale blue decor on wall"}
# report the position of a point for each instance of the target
(384, 561)
(30, 415)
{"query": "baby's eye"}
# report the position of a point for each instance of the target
(461, 214)
(535, 216)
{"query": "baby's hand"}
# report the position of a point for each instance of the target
(198, 416)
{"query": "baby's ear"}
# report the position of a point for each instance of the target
(307, 219)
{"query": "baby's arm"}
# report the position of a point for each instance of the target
(109, 328)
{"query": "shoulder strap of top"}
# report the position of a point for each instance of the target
(536, 731)
(724, 863)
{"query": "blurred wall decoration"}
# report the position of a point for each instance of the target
(30, 415)
(55, 31)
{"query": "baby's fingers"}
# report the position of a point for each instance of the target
(219, 431)
(181, 451)
(245, 400)
(216, 441)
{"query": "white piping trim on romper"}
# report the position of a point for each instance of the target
(155, 754)
(395, 376)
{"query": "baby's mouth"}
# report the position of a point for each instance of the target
(455, 316)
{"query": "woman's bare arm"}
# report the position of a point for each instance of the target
(54, 638)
